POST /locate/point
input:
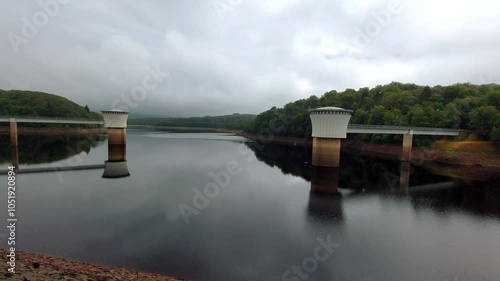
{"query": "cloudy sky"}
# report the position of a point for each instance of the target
(211, 57)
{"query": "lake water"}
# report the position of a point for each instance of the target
(269, 216)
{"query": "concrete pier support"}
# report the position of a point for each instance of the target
(14, 144)
(407, 145)
(116, 123)
(329, 126)
(13, 132)
(117, 144)
(326, 152)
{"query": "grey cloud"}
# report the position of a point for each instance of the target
(261, 54)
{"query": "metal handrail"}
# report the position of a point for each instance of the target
(363, 126)
(47, 117)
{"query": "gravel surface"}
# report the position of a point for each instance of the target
(34, 267)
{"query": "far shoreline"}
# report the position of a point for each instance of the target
(393, 152)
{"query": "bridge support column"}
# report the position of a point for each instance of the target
(14, 144)
(117, 144)
(326, 152)
(116, 123)
(407, 144)
(13, 132)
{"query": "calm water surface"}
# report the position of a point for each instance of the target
(267, 219)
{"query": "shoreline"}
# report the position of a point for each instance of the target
(427, 155)
(32, 266)
(187, 129)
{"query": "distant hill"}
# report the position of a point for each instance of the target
(235, 121)
(30, 103)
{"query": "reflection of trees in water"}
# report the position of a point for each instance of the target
(38, 149)
(362, 172)
(290, 159)
(356, 171)
(482, 199)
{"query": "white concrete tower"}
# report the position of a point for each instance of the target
(116, 123)
(329, 126)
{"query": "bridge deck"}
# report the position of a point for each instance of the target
(398, 130)
(52, 120)
(351, 129)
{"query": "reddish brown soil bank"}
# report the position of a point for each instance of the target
(34, 267)
(464, 153)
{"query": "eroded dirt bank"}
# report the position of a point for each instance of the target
(470, 154)
(35, 267)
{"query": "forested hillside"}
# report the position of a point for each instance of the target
(29, 103)
(462, 106)
(235, 121)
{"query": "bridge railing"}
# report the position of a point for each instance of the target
(362, 126)
(48, 117)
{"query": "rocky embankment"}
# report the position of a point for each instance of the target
(36, 267)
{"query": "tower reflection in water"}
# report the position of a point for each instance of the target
(404, 176)
(116, 122)
(325, 200)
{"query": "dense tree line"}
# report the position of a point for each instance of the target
(29, 103)
(463, 106)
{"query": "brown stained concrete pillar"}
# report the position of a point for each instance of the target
(116, 123)
(326, 152)
(13, 132)
(14, 144)
(407, 144)
(117, 144)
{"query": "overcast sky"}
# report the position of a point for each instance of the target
(244, 56)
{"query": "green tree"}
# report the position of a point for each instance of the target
(425, 94)
(483, 119)
(377, 115)
(450, 117)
